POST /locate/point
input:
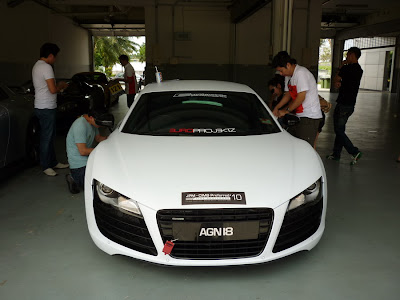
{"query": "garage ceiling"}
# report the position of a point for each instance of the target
(127, 17)
(344, 14)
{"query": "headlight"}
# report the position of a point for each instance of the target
(310, 194)
(119, 201)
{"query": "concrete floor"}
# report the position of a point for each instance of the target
(47, 253)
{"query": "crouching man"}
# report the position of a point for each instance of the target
(81, 139)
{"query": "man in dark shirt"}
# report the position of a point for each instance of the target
(347, 81)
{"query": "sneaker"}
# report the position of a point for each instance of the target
(72, 185)
(355, 158)
(332, 157)
(50, 172)
(61, 166)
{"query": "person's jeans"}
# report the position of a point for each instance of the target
(129, 99)
(340, 117)
(78, 175)
(47, 120)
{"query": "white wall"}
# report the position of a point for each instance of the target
(253, 39)
(214, 38)
(372, 61)
(25, 28)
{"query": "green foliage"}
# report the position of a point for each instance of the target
(325, 50)
(141, 53)
(322, 67)
(107, 49)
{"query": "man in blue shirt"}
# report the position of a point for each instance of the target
(81, 139)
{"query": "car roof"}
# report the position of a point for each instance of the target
(196, 85)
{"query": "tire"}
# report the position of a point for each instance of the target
(98, 98)
(107, 104)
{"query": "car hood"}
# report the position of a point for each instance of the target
(156, 170)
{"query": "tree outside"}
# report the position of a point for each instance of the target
(141, 53)
(325, 62)
(107, 49)
(325, 55)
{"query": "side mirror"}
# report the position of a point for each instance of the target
(290, 120)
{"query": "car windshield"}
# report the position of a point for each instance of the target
(200, 113)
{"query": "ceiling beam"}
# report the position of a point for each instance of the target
(14, 3)
(242, 9)
(370, 30)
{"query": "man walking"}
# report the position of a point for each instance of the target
(46, 91)
(348, 82)
(301, 90)
(129, 79)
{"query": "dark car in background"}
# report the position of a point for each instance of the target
(19, 129)
(77, 99)
(112, 88)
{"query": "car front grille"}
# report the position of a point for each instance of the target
(127, 230)
(298, 225)
(251, 242)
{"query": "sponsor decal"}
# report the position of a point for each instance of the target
(202, 130)
(200, 95)
(213, 198)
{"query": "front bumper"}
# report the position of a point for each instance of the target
(280, 233)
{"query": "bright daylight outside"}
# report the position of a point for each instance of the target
(325, 64)
(107, 50)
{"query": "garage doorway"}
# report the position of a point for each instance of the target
(325, 64)
(376, 60)
(106, 52)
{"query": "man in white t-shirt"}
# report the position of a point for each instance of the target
(46, 91)
(129, 79)
(301, 95)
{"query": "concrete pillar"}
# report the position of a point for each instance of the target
(396, 72)
(281, 25)
(151, 20)
(337, 57)
(296, 29)
(306, 33)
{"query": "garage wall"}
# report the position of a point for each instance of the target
(372, 61)
(25, 28)
(189, 42)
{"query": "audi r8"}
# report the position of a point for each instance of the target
(200, 173)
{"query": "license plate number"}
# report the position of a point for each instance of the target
(216, 231)
(115, 89)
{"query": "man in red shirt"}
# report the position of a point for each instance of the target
(129, 79)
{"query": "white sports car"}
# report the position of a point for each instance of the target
(200, 173)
